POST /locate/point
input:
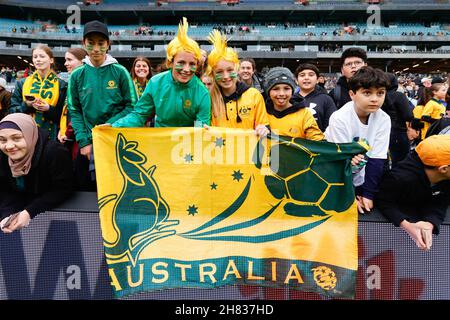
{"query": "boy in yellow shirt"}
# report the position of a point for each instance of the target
(288, 116)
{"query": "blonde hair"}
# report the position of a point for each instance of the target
(182, 43)
(219, 52)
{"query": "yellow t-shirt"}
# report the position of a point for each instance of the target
(251, 108)
(417, 111)
(300, 124)
(434, 110)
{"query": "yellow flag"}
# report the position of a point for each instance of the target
(189, 207)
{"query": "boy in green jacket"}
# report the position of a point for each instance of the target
(101, 91)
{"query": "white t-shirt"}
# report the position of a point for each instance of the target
(345, 126)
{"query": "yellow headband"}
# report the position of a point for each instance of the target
(182, 43)
(220, 51)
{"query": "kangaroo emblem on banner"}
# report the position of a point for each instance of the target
(140, 214)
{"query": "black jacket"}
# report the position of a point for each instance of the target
(396, 105)
(48, 183)
(340, 94)
(406, 194)
(321, 106)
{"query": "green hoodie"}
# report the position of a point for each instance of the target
(175, 104)
(98, 95)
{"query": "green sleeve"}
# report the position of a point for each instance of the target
(142, 110)
(204, 111)
(128, 96)
(17, 104)
(76, 112)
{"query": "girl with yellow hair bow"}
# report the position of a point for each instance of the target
(177, 97)
(234, 104)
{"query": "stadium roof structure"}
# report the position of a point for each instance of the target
(246, 10)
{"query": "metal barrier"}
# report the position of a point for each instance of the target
(60, 256)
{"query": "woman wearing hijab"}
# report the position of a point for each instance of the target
(35, 172)
(141, 72)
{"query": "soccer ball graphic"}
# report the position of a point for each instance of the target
(324, 277)
(301, 177)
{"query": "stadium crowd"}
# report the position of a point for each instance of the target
(46, 123)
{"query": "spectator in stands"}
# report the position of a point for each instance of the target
(208, 82)
(234, 103)
(100, 91)
(141, 72)
(415, 195)
(435, 106)
(316, 97)
(26, 72)
(352, 59)
(423, 84)
(35, 172)
(396, 105)
(5, 99)
(288, 115)
(66, 135)
(202, 64)
(362, 118)
(177, 96)
(401, 85)
(248, 75)
(160, 67)
(42, 94)
(321, 81)
(9, 75)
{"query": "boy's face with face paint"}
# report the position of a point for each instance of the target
(97, 46)
(184, 66)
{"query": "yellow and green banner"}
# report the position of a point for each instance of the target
(190, 207)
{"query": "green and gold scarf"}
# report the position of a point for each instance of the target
(46, 89)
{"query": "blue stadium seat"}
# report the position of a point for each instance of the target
(277, 30)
